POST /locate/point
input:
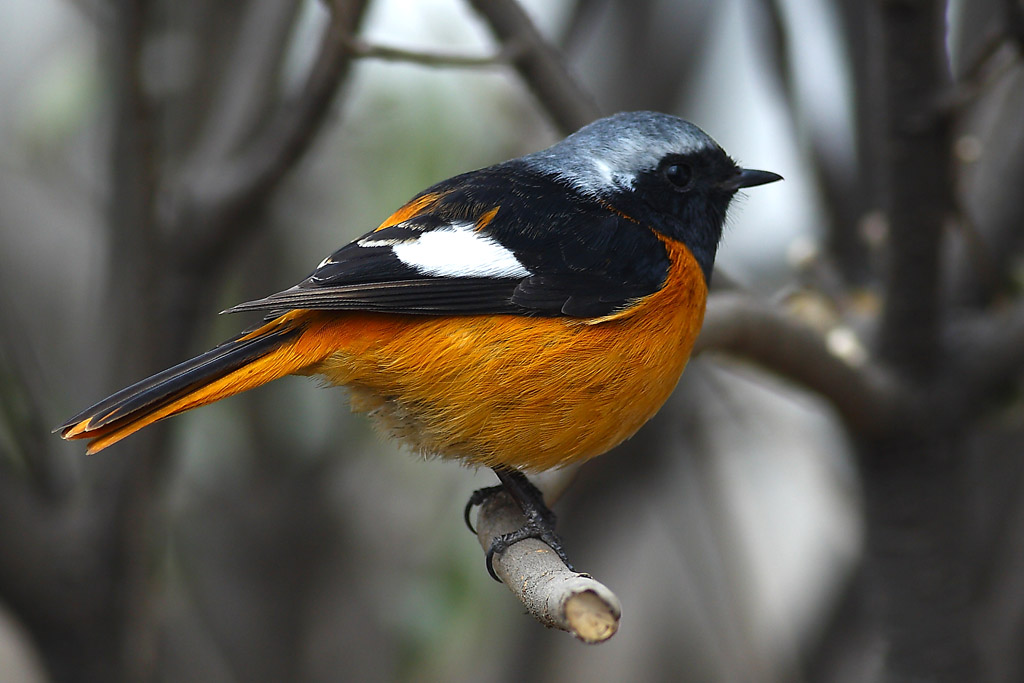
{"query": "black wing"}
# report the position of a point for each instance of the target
(522, 243)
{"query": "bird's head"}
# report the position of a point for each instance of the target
(655, 168)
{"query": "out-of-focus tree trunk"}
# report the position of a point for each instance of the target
(80, 568)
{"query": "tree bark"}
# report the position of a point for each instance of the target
(916, 564)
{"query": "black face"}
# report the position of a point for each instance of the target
(685, 200)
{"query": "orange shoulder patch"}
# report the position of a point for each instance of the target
(410, 209)
(485, 219)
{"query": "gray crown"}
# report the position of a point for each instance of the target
(607, 155)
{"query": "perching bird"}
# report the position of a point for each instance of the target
(523, 316)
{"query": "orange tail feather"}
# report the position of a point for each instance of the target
(281, 347)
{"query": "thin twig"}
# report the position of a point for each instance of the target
(365, 50)
(844, 202)
(540, 65)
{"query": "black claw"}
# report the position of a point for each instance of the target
(478, 497)
(465, 513)
(489, 561)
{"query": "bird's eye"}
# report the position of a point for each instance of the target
(680, 175)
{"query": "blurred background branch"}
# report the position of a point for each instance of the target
(216, 196)
(866, 397)
(364, 50)
(539, 64)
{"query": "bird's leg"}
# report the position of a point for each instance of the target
(540, 520)
(524, 490)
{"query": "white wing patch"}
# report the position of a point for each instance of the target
(370, 242)
(457, 250)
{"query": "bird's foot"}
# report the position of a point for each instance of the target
(540, 520)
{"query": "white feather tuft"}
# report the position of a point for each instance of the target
(457, 250)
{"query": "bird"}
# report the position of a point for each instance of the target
(522, 317)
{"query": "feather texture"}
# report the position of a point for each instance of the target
(502, 390)
(499, 240)
(279, 348)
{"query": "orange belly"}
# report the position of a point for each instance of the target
(531, 393)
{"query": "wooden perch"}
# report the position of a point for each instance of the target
(555, 595)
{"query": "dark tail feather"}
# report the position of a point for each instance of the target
(234, 366)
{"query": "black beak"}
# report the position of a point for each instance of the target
(748, 177)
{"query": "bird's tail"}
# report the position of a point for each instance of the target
(245, 362)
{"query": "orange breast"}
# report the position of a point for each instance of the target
(532, 393)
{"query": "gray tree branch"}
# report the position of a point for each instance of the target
(990, 355)
(366, 50)
(247, 89)
(866, 397)
(241, 181)
(539, 64)
(919, 202)
(838, 184)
